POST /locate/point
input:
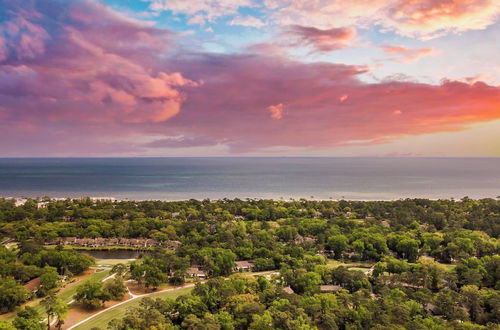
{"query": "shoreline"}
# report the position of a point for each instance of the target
(46, 198)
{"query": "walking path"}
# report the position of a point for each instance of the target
(137, 296)
(134, 296)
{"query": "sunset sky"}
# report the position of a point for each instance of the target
(250, 77)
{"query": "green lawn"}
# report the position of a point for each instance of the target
(67, 295)
(102, 320)
(112, 262)
(331, 263)
(364, 270)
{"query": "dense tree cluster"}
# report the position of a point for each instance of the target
(47, 219)
(245, 302)
(434, 264)
(31, 260)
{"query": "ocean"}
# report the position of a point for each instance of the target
(245, 177)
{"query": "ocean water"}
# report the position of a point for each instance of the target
(242, 177)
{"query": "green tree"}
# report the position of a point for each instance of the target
(4, 325)
(449, 304)
(54, 307)
(28, 319)
(49, 280)
(115, 288)
(119, 269)
(91, 294)
(337, 243)
(11, 294)
(408, 248)
(307, 282)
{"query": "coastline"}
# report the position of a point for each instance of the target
(22, 199)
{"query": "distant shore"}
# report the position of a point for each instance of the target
(42, 200)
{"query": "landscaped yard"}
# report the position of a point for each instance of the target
(102, 320)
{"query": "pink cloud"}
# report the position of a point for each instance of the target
(320, 40)
(407, 55)
(82, 92)
(228, 106)
(83, 73)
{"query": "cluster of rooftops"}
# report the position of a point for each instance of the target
(240, 266)
(105, 242)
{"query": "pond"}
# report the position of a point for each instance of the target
(114, 254)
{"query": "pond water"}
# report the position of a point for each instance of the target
(114, 254)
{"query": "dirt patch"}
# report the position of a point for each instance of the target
(78, 312)
(78, 278)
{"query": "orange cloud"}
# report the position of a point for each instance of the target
(276, 111)
(431, 18)
(407, 55)
(415, 18)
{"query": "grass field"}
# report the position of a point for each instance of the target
(112, 262)
(355, 264)
(67, 295)
(102, 320)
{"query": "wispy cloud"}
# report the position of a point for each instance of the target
(407, 55)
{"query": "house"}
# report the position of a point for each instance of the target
(329, 288)
(40, 205)
(288, 290)
(299, 239)
(103, 242)
(194, 271)
(172, 244)
(99, 241)
(432, 309)
(243, 266)
(33, 285)
(113, 241)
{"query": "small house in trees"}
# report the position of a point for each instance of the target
(329, 288)
(195, 272)
(243, 266)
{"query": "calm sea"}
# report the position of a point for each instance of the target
(184, 178)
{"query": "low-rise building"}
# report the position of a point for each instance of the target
(243, 266)
(329, 288)
(195, 272)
